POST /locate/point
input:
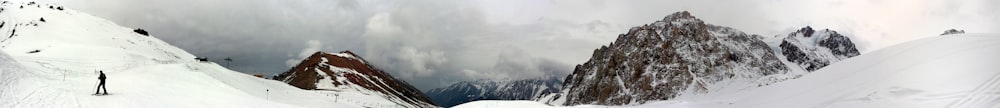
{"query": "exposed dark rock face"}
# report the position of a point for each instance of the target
(141, 31)
(840, 45)
(952, 31)
(661, 60)
(345, 69)
(793, 54)
(813, 49)
(681, 54)
(807, 31)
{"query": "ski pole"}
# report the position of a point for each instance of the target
(95, 85)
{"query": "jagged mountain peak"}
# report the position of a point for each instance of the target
(682, 55)
(682, 16)
(663, 59)
(806, 31)
(679, 24)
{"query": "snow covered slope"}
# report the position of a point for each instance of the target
(52, 63)
(948, 71)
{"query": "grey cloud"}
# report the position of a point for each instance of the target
(413, 40)
(597, 26)
(518, 64)
(257, 34)
(514, 64)
(312, 46)
(450, 41)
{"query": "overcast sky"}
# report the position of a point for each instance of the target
(433, 43)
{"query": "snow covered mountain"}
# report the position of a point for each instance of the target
(683, 55)
(345, 71)
(813, 49)
(467, 91)
(936, 72)
(53, 64)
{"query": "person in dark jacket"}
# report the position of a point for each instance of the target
(101, 85)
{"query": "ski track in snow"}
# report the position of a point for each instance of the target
(981, 96)
(976, 98)
(986, 92)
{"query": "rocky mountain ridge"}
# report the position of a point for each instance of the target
(684, 55)
(812, 49)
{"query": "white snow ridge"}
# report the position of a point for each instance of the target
(52, 64)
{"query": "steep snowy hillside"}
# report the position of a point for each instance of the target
(52, 63)
(951, 71)
(347, 72)
(682, 54)
(467, 91)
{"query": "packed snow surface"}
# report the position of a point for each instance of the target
(952, 71)
(54, 64)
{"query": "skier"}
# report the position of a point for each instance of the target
(101, 85)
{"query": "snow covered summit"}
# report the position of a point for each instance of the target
(812, 49)
(347, 72)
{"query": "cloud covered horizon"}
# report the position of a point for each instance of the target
(433, 43)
